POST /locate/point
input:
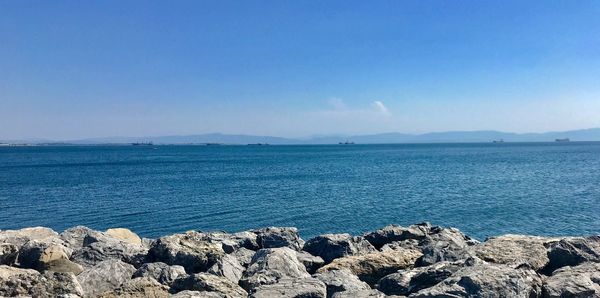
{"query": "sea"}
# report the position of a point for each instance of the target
(484, 190)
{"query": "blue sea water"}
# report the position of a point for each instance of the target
(482, 189)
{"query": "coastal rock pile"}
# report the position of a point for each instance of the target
(416, 261)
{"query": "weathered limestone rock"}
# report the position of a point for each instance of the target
(232, 242)
(75, 237)
(204, 282)
(274, 237)
(197, 294)
(404, 244)
(229, 267)
(107, 248)
(373, 266)
(20, 237)
(291, 288)
(47, 255)
(393, 233)
(161, 272)
(341, 280)
(244, 256)
(573, 251)
(270, 265)
(191, 250)
(124, 235)
(487, 280)
(8, 253)
(515, 251)
(578, 281)
(311, 263)
(142, 287)
(333, 246)
(405, 282)
(28, 282)
(105, 276)
(372, 293)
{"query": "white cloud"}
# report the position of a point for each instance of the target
(380, 107)
(337, 104)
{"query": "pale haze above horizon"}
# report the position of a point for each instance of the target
(80, 69)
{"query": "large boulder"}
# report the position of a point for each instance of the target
(161, 272)
(203, 282)
(8, 253)
(394, 233)
(444, 244)
(28, 282)
(271, 265)
(274, 237)
(109, 249)
(333, 246)
(44, 255)
(311, 263)
(22, 236)
(232, 242)
(125, 235)
(198, 294)
(371, 293)
(229, 267)
(105, 276)
(407, 281)
(515, 251)
(75, 237)
(341, 280)
(579, 281)
(573, 251)
(244, 256)
(291, 288)
(192, 250)
(487, 280)
(142, 287)
(373, 266)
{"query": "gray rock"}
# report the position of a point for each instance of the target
(333, 246)
(404, 244)
(393, 233)
(197, 294)
(579, 281)
(371, 293)
(105, 276)
(142, 287)
(274, 237)
(244, 256)
(235, 241)
(229, 267)
(371, 267)
(47, 255)
(191, 250)
(22, 236)
(311, 263)
(29, 282)
(515, 251)
(8, 253)
(161, 272)
(204, 282)
(291, 288)
(107, 248)
(75, 237)
(341, 280)
(573, 251)
(405, 282)
(445, 244)
(487, 280)
(270, 265)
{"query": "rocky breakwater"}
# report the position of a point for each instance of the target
(416, 261)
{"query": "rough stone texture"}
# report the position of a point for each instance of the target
(311, 263)
(229, 267)
(204, 282)
(141, 287)
(444, 244)
(333, 246)
(75, 237)
(372, 293)
(244, 256)
(393, 233)
(8, 253)
(197, 294)
(573, 251)
(20, 237)
(292, 288)
(105, 276)
(371, 267)
(515, 251)
(487, 280)
(274, 237)
(191, 250)
(341, 280)
(161, 272)
(28, 282)
(232, 242)
(107, 248)
(124, 235)
(270, 265)
(405, 282)
(47, 255)
(404, 244)
(578, 281)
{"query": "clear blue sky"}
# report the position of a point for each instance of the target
(75, 69)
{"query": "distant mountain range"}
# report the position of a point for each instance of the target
(592, 134)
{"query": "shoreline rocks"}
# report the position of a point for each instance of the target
(421, 260)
